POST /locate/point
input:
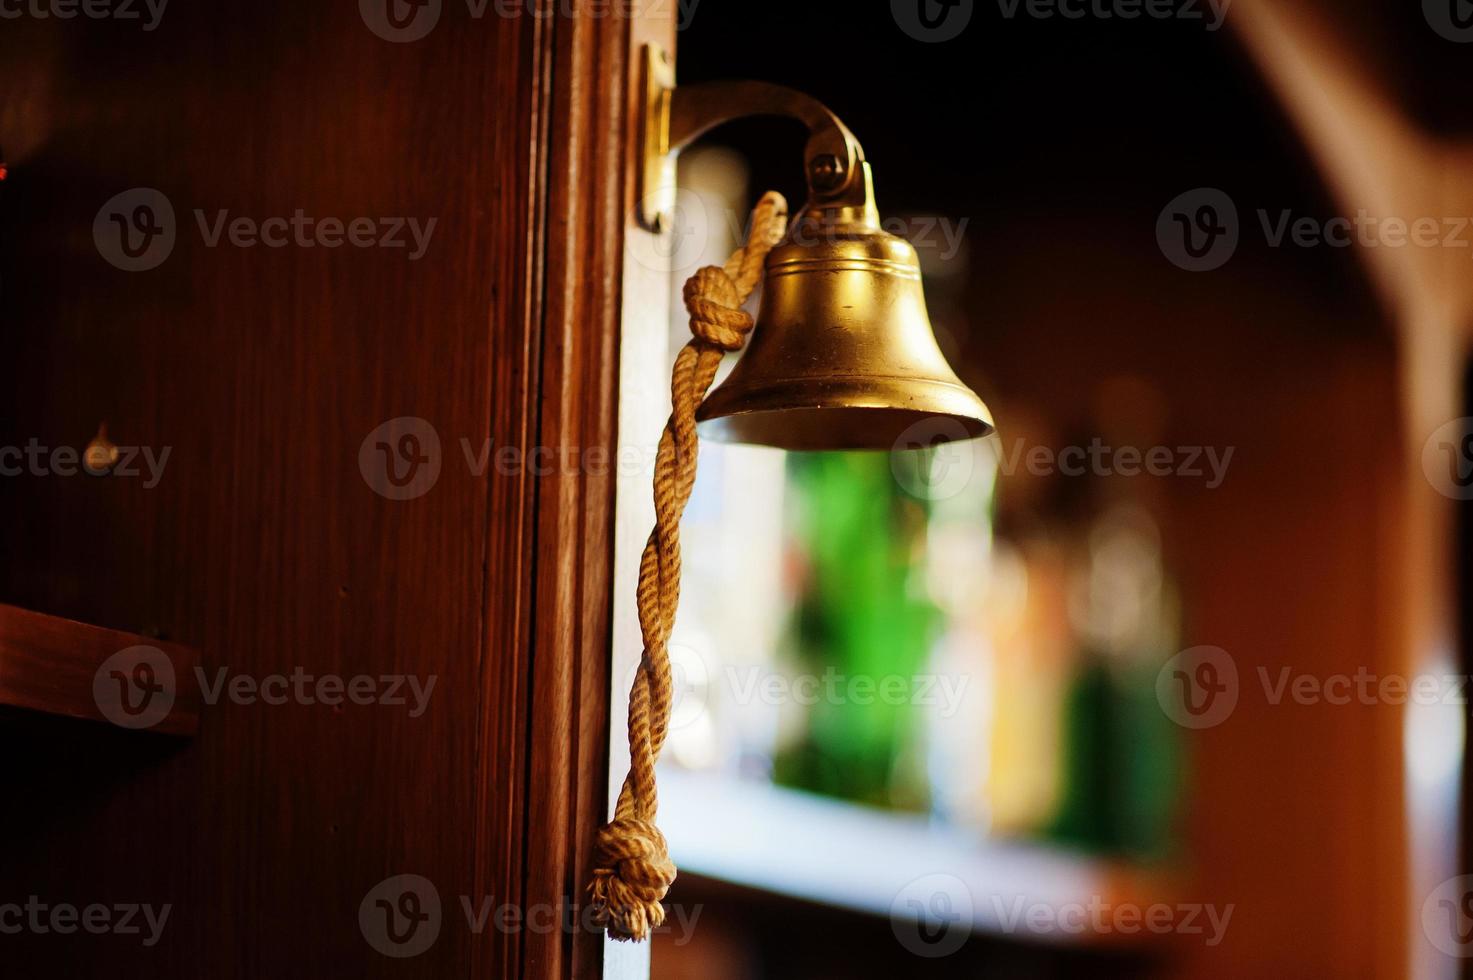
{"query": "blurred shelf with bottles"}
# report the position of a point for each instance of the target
(936, 660)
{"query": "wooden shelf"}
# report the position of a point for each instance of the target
(798, 845)
(59, 667)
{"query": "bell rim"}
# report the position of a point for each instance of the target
(919, 407)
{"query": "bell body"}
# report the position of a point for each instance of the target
(843, 355)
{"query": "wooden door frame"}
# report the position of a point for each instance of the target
(559, 518)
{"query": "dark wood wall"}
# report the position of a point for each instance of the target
(265, 543)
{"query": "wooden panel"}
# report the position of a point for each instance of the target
(272, 539)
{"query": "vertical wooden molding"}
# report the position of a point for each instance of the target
(574, 518)
(548, 640)
(505, 726)
(584, 58)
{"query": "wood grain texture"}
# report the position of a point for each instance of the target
(50, 665)
(571, 452)
(265, 371)
(575, 501)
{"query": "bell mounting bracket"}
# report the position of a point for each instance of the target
(671, 118)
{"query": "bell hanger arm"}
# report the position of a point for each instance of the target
(676, 116)
(832, 157)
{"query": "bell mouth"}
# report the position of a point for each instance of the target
(867, 413)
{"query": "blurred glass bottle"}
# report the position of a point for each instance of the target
(1121, 754)
(861, 614)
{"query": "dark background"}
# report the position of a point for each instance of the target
(1061, 141)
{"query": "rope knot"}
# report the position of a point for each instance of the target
(716, 314)
(632, 872)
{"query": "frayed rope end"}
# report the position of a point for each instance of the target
(633, 873)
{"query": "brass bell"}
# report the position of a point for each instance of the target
(843, 355)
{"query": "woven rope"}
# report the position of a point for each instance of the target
(632, 865)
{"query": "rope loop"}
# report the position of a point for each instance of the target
(715, 310)
(632, 866)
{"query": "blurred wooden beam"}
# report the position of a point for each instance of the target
(1376, 161)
